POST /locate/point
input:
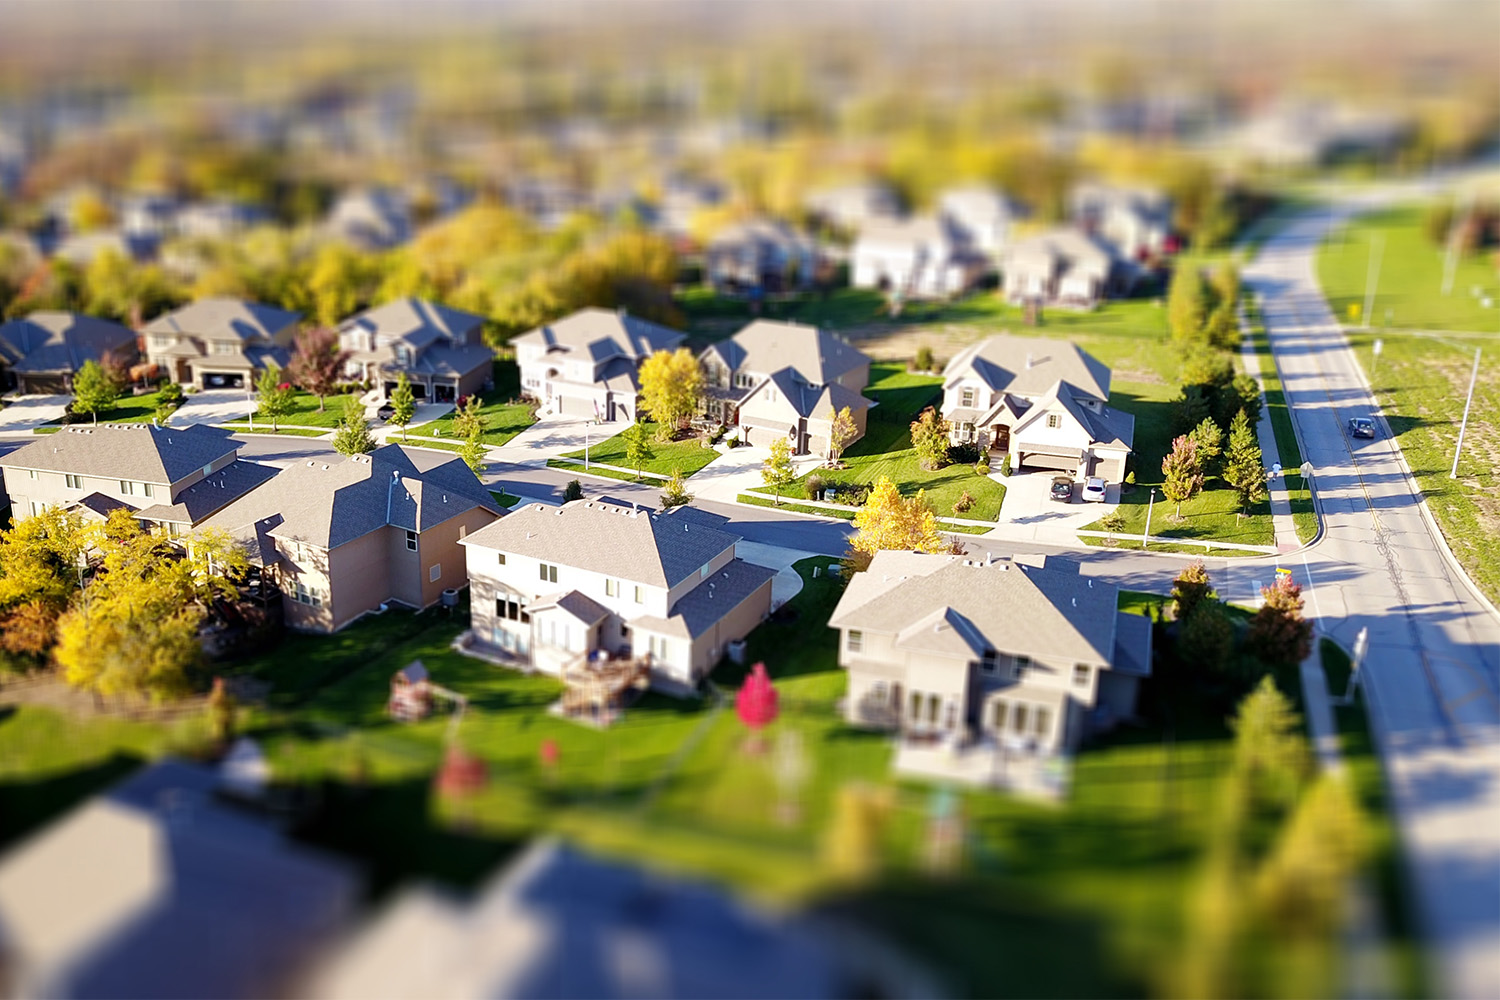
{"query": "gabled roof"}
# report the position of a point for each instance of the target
(805, 400)
(328, 504)
(416, 321)
(1107, 427)
(211, 493)
(945, 604)
(977, 203)
(706, 604)
(225, 319)
(142, 452)
(581, 606)
(919, 234)
(659, 550)
(599, 334)
(1065, 244)
(766, 346)
(1029, 366)
(47, 342)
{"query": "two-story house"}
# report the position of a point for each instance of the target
(441, 350)
(983, 215)
(1021, 656)
(42, 353)
(784, 380)
(758, 257)
(345, 537)
(588, 364)
(172, 478)
(220, 343)
(1137, 222)
(1041, 401)
(923, 257)
(551, 587)
(1067, 267)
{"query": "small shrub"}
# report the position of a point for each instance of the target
(573, 491)
(963, 504)
(924, 361)
(169, 393)
(1129, 485)
(1113, 521)
(813, 485)
(982, 467)
(963, 454)
(1005, 466)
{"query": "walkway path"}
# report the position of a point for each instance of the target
(1281, 506)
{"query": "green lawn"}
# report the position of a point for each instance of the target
(596, 469)
(504, 416)
(504, 499)
(685, 456)
(305, 411)
(128, 410)
(886, 449)
(265, 428)
(1409, 290)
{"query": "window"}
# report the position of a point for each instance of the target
(1054, 420)
(640, 594)
(657, 646)
(411, 541)
(1081, 673)
(1043, 718)
(549, 573)
(966, 396)
(998, 717)
(743, 380)
(403, 354)
(1019, 665)
(1018, 719)
(435, 571)
(915, 712)
(303, 594)
(161, 343)
(933, 704)
(611, 588)
(770, 394)
(855, 641)
(208, 468)
(127, 487)
(511, 607)
(703, 572)
(226, 347)
(500, 558)
(147, 490)
(74, 482)
(987, 662)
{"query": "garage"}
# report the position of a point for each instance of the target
(49, 384)
(1061, 460)
(223, 380)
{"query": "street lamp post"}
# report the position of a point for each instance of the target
(1150, 502)
(250, 402)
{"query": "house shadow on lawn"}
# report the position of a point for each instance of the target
(27, 805)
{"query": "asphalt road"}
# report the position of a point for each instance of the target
(1432, 675)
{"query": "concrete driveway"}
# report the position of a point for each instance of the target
(22, 413)
(1029, 512)
(552, 436)
(211, 406)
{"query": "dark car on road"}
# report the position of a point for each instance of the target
(1361, 427)
(1062, 489)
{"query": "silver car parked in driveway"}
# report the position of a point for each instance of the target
(1093, 490)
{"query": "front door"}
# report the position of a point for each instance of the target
(1000, 439)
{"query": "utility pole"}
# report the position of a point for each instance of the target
(1377, 247)
(1465, 424)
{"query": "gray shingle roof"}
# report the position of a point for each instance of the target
(767, 346)
(1132, 645)
(1013, 607)
(142, 452)
(1029, 366)
(659, 550)
(225, 319)
(706, 604)
(416, 321)
(581, 606)
(49, 342)
(600, 334)
(211, 493)
(330, 503)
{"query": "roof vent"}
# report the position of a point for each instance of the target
(325, 467)
(559, 512)
(1075, 602)
(1004, 567)
(1029, 361)
(311, 463)
(684, 527)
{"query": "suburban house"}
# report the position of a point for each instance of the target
(220, 343)
(986, 659)
(441, 350)
(42, 353)
(1065, 267)
(760, 257)
(981, 215)
(346, 537)
(372, 218)
(922, 257)
(587, 364)
(783, 380)
(852, 207)
(553, 588)
(1136, 222)
(172, 478)
(1041, 401)
(682, 198)
(161, 886)
(218, 219)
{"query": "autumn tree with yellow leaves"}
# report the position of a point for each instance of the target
(889, 520)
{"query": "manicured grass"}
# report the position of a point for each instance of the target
(504, 417)
(305, 411)
(127, 410)
(595, 469)
(1410, 283)
(1304, 515)
(265, 428)
(504, 499)
(685, 456)
(886, 449)
(760, 500)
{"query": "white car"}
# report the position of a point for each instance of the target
(1093, 490)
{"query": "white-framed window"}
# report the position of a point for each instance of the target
(1019, 664)
(1082, 673)
(147, 490)
(161, 343)
(73, 482)
(611, 588)
(640, 594)
(997, 714)
(403, 354)
(411, 541)
(658, 646)
(770, 394)
(548, 572)
(743, 380)
(226, 347)
(434, 571)
(127, 487)
(966, 396)
(511, 607)
(1018, 718)
(1054, 420)
(703, 571)
(303, 594)
(1043, 721)
(854, 641)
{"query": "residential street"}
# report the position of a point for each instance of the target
(1431, 675)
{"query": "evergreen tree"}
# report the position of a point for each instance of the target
(929, 436)
(353, 435)
(1244, 468)
(1209, 441)
(403, 404)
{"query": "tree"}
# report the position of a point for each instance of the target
(403, 404)
(337, 283)
(777, 472)
(1278, 632)
(841, 430)
(353, 435)
(671, 387)
(1191, 588)
(1302, 887)
(40, 558)
(276, 396)
(1183, 473)
(1242, 393)
(1269, 748)
(924, 361)
(853, 843)
(469, 418)
(93, 390)
(1206, 637)
(318, 363)
(638, 449)
(1186, 304)
(473, 454)
(675, 493)
(31, 629)
(890, 521)
(756, 702)
(573, 491)
(929, 436)
(1243, 465)
(1209, 441)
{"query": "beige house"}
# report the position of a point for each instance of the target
(554, 587)
(1067, 267)
(441, 350)
(42, 353)
(783, 380)
(588, 364)
(917, 258)
(1021, 656)
(220, 343)
(1041, 401)
(344, 538)
(171, 478)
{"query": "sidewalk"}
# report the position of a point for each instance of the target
(1281, 506)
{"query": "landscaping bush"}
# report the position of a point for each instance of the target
(1005, 466)
(982, 467)
(851, 495)
(924, 361)
(1113, 521)
(963, 454)
(170, 393)
(813, 485)
(573, 491)
(963, 503)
